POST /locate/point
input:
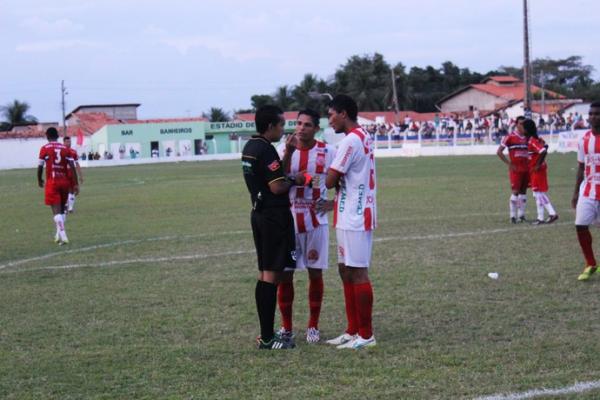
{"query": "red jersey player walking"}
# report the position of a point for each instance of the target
(518, 170)
(538, 173)
(57, 159)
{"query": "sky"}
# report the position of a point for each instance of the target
(178, 58)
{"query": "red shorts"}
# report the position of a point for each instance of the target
(518, 180)
(539, 180)
(56, 192)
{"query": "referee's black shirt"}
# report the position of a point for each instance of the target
(261, 165)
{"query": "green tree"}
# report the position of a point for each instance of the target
(283, 98)
(306, 93)
(367, 79)
(259, 100)
(217, 114)
(16, 113)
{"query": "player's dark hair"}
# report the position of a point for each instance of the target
(313, 114)
(530, 128)
(595, 104)
(520, 118)
(265, 116)
(66, 138)
(51, 133)
(343, 102)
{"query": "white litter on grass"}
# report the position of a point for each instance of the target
(493, 275)
(579, 387)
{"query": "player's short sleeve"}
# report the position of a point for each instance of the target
(271, 165)
(43, 154)
(538, 146)
(580, 153)
(74, 155)
(345, 155)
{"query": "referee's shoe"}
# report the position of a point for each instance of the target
(275, 343)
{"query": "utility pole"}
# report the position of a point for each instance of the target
(526, 63)
(395, 98)
(543, 84)
(63, 91)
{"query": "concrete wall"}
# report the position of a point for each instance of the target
(470, 97)
(24, 153)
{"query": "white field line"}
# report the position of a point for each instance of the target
(112, 244)
(579, 387)
(239, 252)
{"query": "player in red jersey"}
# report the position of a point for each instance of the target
(586, 196)
(518, 170)
(57, 159)
(538, 173)
(71, 198)
(301, 152)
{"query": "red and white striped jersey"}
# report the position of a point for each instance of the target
(517, 150)
(316, 162)
(355, 202)
(588, 153)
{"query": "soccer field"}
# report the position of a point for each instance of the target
(154, 296)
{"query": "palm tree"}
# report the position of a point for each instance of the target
(283, 98)
(217, 114)
(16, 113)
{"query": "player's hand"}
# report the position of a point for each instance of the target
(323, 206)
(512, 166)
(41, 183)
(76, 190)
(290, 143)
(574, 200)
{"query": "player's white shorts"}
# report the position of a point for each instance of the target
(312, 249)
(587, 211)
(354, 247)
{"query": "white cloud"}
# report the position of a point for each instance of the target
(58, 26)
(225, 47)
(54, 45)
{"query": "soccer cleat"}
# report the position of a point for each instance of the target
(522, 219)
(538, 222)
(551, 219)
(274, 344)
(360, 343)
(342, 339)
(513, 220)
(286, 336)
(313, 335)
(586, 274)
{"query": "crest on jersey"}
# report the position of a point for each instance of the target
(313, 255)
(274, 166)
(341, 251)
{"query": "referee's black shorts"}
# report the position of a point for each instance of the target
(274, 238)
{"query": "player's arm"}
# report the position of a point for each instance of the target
(540, 159)
(79, 174)
(282, 185)
(40, 170)
(290, 147)
(501, 156)
(333, 178)
(578, 180)
(75, 178)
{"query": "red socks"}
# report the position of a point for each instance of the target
(285, 299)
(363, 295)
(585, 241)
(352, 328)
(315, 298)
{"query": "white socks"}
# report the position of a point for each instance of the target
(514, 205)
(59, 220)
(71, 202)
(543, 203)
(522, 204)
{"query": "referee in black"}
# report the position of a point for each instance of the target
(271, 219)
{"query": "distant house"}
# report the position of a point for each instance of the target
(493, 93)
(127, 111)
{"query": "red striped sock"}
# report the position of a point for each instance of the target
(351, 316)
(315, 298)
(285, 299)
(585, 241)
(363, 293)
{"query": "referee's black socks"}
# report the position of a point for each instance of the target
(266, 302)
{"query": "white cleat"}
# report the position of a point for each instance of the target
(360, 343)
(343, 338)
(313, 335)
(347, 345)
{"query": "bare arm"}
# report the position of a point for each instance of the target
(75, 178)
(333, 179)
(578, 180)
(501, 156)
(290, 147)
(79, 174)
(40, 170)
(281, 186)
(540, 161)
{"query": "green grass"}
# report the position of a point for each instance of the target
(184, 328)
